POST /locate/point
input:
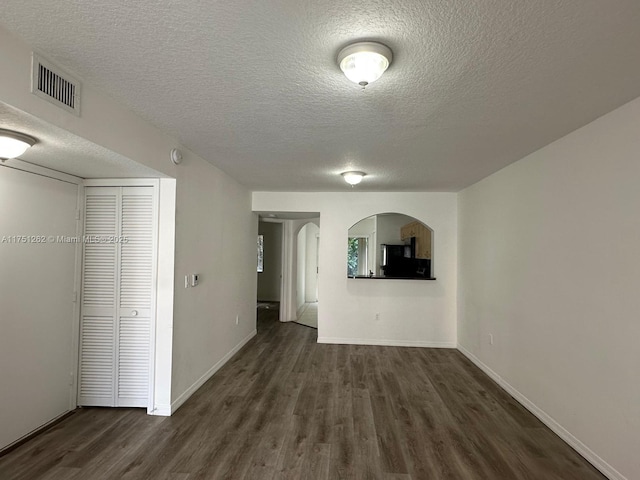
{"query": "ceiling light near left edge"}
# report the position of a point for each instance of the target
(13, 144)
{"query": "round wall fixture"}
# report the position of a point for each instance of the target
(364, 62)
(176, 156)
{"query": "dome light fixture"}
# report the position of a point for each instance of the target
(13, 144)
(364, 62)
(353, 178)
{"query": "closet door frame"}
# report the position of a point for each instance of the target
(127, 182)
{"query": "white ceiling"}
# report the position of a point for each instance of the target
(253, 87)
(60, 150)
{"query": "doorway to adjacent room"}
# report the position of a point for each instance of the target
(308, 241)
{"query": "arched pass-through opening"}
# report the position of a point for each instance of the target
(392, 246)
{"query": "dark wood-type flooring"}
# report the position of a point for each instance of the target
(286, 407)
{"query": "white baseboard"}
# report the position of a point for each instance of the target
(161, 411)
(606, 469)
(177, 403)
(34, 432)
(385, 343)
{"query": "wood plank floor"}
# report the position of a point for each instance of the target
(287, 408)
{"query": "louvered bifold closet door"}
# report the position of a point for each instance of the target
(117, 296)
(99, 298)
(136, 294)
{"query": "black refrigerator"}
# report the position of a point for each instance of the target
(393, 260)
(399, 261)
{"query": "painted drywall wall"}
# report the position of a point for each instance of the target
(306, 264)
(295, 267)
(37, 284)
(411, 312)
(215, 237)
(215, 230)
(269, 280)
(312, 235)
(549, 266)
(164, 295)
(389, 228)
(301, 266)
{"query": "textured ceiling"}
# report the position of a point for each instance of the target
(60, 150)
(253, 87)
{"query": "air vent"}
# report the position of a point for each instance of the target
(54, 85)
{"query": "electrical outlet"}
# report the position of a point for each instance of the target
(490, 339)
(377, 316)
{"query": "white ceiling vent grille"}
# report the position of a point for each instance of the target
(54, 85)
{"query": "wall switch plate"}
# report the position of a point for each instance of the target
(186, 281)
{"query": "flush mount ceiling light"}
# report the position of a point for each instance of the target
(353, 178)
(13, 144)
(364, 62)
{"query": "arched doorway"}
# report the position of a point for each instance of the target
(306, 287)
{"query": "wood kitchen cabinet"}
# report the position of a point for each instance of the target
(408, 231)
(422, 235)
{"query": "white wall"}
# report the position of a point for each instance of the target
(215, 229)
(301, 266)
(306, 264)
(216, 236)
(389, 228)
(412, 312)
(164, 296)
(312, 233)
(270, 279)
(550, 267)
(37, 283)
(294, 274)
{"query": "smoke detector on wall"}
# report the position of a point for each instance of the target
(176, 156)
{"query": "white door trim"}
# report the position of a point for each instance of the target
(131, 182)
